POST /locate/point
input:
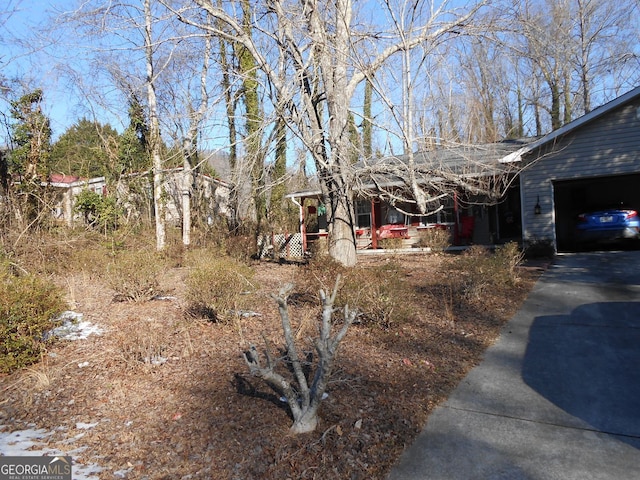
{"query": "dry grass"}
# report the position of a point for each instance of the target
(142, 343)
(200, 414)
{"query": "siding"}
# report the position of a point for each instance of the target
(609, 145)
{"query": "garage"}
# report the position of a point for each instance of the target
(590, 163)
(573, 197)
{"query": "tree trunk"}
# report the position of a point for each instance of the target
(154, 133)
(556, 123)
(187, 181)
(308, 422)
(367, 121)
(342, 242)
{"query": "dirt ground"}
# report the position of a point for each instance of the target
(159, 395)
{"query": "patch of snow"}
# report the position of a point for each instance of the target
(156, 360)
(122, 473)
(30, 442)
(164, 297)
(73, 327)
(85, 426)
(247, 313)
(20, 442)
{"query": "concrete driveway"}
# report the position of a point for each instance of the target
(558, 395)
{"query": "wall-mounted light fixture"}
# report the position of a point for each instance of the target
(537, 210)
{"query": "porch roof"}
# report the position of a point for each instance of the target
(433, 165)
(441, 162)
(304, 193)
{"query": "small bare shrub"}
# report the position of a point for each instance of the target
(28, 306)
(33, 381)
(240, 242)
(241, 247)
(134, 275)
(318, 273)
(380, 291)
(303, 388)
(217, 287)
(508, 258)
(476, 252)
(141, 343)
(437, 239)
(478, 269)
(390, 243)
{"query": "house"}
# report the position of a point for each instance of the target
(466, 214)
(66, 188)
(135, 194)
(590, 162)
(594, 160)
(477, 198)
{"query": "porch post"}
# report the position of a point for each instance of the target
(303, 228)
(456, 219)
(374, 226)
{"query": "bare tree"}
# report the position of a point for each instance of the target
(568, 47)
(154, 129)
(302, 394)
(246, 124)
(186, 106)
(314, 58)
(129, 46)
(604, 41)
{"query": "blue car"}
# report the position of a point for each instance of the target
(608, 225)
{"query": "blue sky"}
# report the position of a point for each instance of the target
(26, 55)
(29, 55)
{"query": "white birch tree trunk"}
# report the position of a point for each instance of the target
(187, 181)
(154, 133)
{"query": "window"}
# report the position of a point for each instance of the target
(394, 216)
(363, 214)
(444, 216)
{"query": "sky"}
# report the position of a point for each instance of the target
(28, 54)
(25, 54)
(43, 57)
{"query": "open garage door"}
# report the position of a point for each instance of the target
(573, 197)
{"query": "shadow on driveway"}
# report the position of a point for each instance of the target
(588, 364)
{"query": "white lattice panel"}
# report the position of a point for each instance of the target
(281, 246)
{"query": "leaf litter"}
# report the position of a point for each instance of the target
(200, 415)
